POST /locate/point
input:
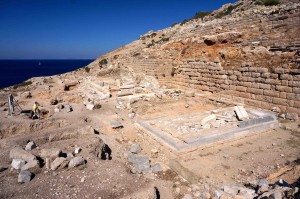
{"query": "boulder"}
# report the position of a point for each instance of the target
(116, 124)
(140, 164)
(17, 153)
(291, 116)
(90, 107)
(57, 162)
(24, 176)
(74, 162)
(135, 148)
(68, 108)
(189, 93)
(31, 165)
(156, 168)
(17, 163)
(262, 186)
(30, 145)
(48, 153)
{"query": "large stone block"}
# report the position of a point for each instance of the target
(297, 104)
(244, 95)
(273, 81)
(293, 110)
(17, 153)
(271, 93)
(255, 91)
(267, 106)
(280, 101)
(294, 84)
(265, 86)
(266, 75)
(284, 89)
(285, 77)
(247, 84)
(278, 70)
(182, 171)
(241, 88)
(262, 70)
(48, 153)
(282, 95)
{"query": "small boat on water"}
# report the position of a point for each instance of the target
(39, 63)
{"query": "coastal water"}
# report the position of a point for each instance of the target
(17, 71)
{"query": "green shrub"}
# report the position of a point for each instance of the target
(267, 2)
(201, 15)
(174, 24)
(136, 54)
(26, 83)
(228, 11)
(103, 62)
(184, 21)
(87, 69)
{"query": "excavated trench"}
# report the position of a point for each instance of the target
(13, 128)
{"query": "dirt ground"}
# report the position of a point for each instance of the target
(273, 154)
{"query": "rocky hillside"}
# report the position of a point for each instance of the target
(246, 51)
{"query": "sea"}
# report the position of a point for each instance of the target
(16, 71)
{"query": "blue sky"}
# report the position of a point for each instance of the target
(75, 29)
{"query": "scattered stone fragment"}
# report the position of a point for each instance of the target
(17, 153)
(276, 109)
(124, 93)
(156, 168)
(135, 148)
(57, 162)
(70, 155)
(131, 115)
(241, 113)
(30, 145)
(130, 86)
(189, 93)
(17, 163)
(77, 150)
(116, 124)
(24, 176)
(74, 162)
(48, 163)
(68, 108)
(56, 110)
(262, 186)
(48, 153)
(159, 95)
(101, 83)
(90, 107)
(207, 119)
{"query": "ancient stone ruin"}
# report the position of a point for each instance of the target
(207, 108)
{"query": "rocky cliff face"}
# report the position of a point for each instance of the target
(243, 51)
